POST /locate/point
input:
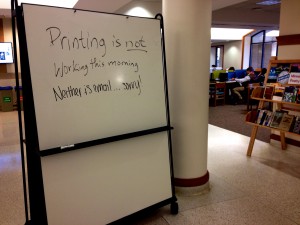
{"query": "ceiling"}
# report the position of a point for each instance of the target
(226, 13)
(247, 14)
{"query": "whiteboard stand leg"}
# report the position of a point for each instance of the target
(174, 208)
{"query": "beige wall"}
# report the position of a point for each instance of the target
(232, 54)
(289, 17)
(289, 24)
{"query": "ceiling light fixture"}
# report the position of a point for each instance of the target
(228, 33)
(269, 2)
(139, 11)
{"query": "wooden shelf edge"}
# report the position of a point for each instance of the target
(275, 101)
(275, 61)
(271, 128)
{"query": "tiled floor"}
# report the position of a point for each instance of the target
(261, 190)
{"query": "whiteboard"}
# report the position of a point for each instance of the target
(94, 75)
(106, 182)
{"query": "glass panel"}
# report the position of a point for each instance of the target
(256, 56)
(269, 46)
(267, 54)
(219, 57)
(258, 38)
(270, 39)
(274, 49)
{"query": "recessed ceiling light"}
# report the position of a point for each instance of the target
(269, 2)
(228, 33)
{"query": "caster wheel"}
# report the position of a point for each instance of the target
(174, 208)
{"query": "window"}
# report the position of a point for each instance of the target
(262, 48)
(217, 55)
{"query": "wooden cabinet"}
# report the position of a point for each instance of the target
(275, 68)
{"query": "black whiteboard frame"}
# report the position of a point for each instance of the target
(82, 145)
(36, 195)
(20, 123)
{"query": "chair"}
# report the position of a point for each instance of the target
(250, 101)
(218, 92)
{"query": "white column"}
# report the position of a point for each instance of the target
(187, 35)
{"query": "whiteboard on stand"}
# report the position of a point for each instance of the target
(97, 75)
(94, 75)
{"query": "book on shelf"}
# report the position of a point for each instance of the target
(276, 119)
(257, 92)
(296, 127)
(260, 113)
(276, 70)
(263, 117)
(294, 78)
(268, 118)
(251, 116)
(298, 96)
(278, 93)
(290, 94)
(283, 77)
(268, 92)
(286, 122)
(293, 124)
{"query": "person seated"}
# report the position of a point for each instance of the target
(232, 69)
(231, 72)
(260, 77)
(242, 84)
(213, 68)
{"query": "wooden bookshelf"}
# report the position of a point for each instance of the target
(291, 106)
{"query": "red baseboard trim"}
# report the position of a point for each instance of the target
(287, 140)
(293, 39)
(179, 182)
